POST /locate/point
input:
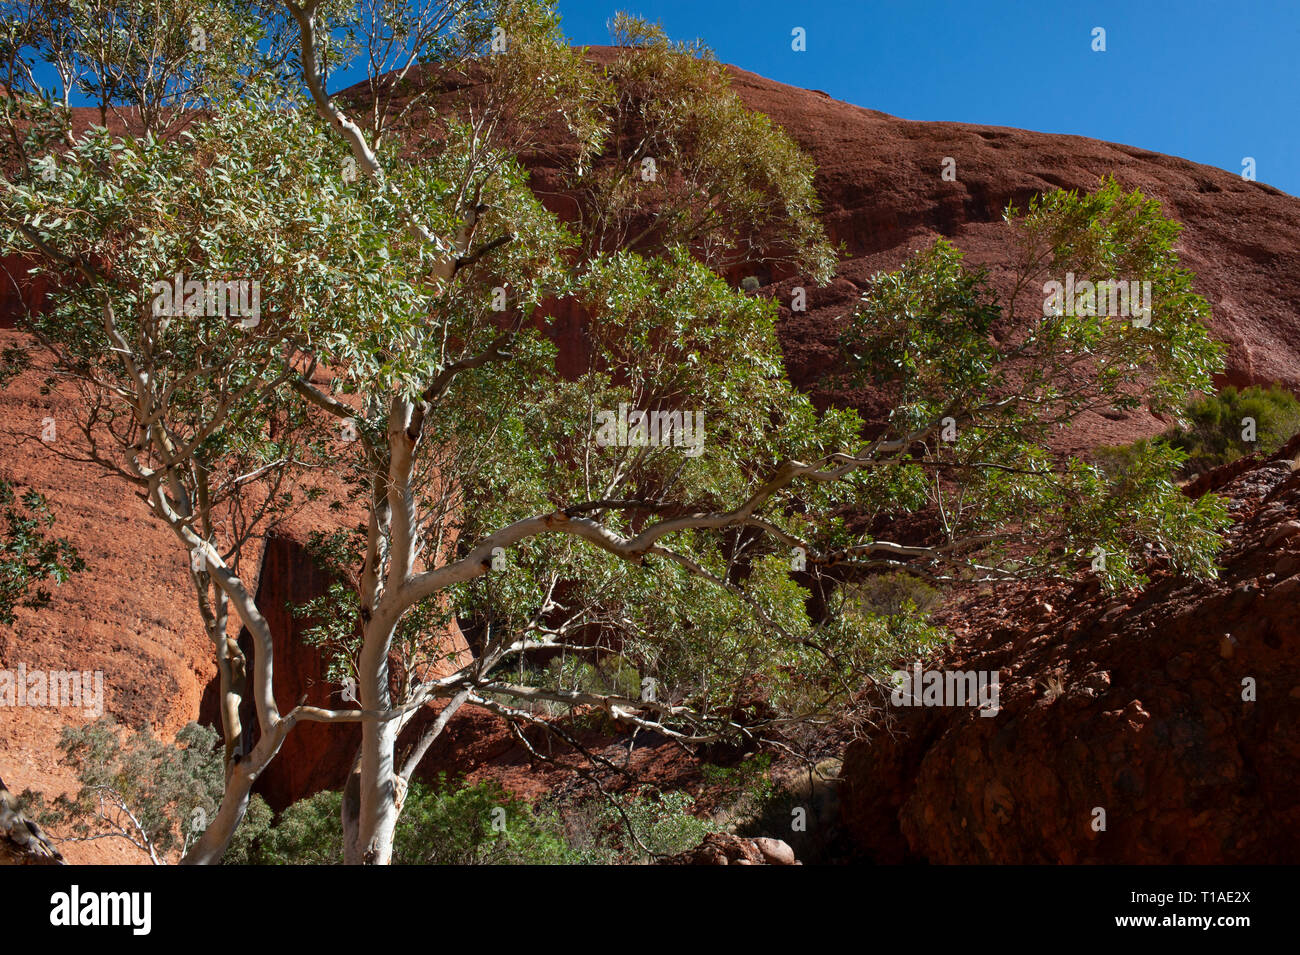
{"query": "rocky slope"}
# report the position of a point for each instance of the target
(879, 179)
(1176, 711)
(131, 613)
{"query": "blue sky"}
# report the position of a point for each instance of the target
(1214, 81)
(1210, 81)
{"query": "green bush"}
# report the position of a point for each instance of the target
(1216, 433)
(894, 609)
(307, 833)
(246, 842)
(446, 824)
(1218, 424)
(747, 786)
(156, 795)
(480, 824)
(888, 595)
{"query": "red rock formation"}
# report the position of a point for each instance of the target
(131, 612)
(723, 849)
(314, 756)
(1131, 703)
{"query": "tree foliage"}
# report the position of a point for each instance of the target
(29, 557)
(407, 361)
(948, 346)
(156, 795)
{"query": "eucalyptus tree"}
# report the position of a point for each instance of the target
(650, 494)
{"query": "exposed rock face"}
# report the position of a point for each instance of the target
(1175, 711)
(724, 849)
(315, 755)
(131, 613)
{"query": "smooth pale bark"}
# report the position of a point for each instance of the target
(350, 813)
(242, 773)
(214, 842)
(381, 790)
(378, 806)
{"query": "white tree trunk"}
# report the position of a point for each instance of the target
(380, 792)
(212, 845)
(214, 842)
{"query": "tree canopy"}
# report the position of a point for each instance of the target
(265, 292)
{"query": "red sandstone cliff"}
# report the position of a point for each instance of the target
(1133, 703)
(131, 613)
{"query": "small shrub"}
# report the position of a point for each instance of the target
(479, 824)
(1215, 433)
(888, 595)
(156, 795)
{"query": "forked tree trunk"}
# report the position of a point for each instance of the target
(242, 773)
